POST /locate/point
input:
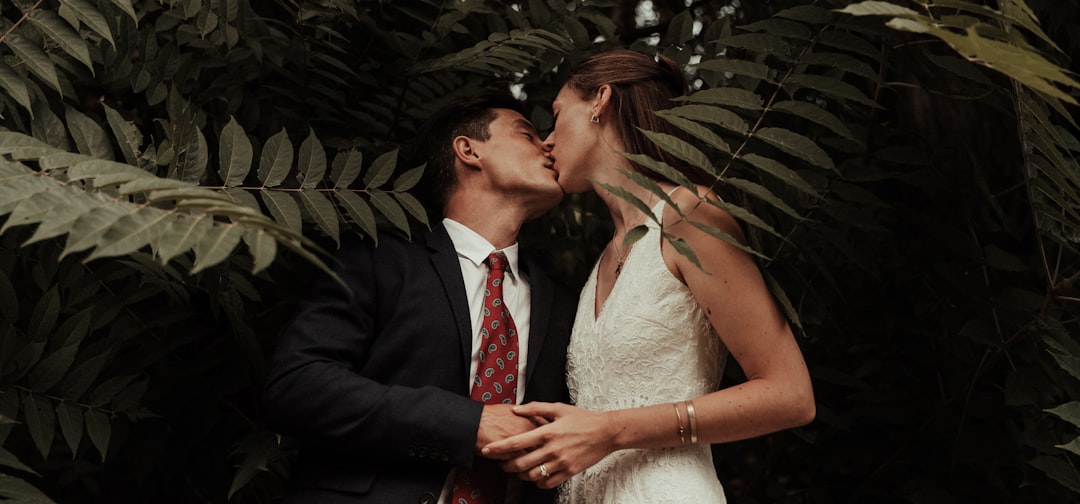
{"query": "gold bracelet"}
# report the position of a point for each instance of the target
(692, 416)
(678, 420)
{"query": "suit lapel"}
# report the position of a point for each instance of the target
(542, 292)
(445, 260)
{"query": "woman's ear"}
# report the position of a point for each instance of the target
(465, 151)
(601, 100)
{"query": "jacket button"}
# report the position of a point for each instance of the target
(428, 498)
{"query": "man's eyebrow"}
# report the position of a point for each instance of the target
(522, 123)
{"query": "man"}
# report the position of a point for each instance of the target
(376, 387)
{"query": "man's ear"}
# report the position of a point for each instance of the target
(465, 150)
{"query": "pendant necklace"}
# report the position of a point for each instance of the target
(619, 263)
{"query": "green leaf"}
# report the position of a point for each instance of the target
(743, 215)
(359, 211)
(263, 248)
(106, 173)
(1027, 67)
(701, 132)
(724, 237)
(844, 63)
(22, 146)
(35, 59)
(284, 209)
(736, 67)
(759, 42)
(796, 145)
(18, 491)
(276, 159)
(234, 154)
(9, 459)
(322, 211)
(312, 162)
(9, 405)
(661, 168)
(832, 87)
(9, 301)
(409, 179)
(811, 14)
(256, 449)
(45, 315)
(181, 235)
(390, 209)
(127, 135)
(91, 17)
(125, 5)
(683, 249)
(630, 198)
(41, 421)
(815, 114)
(107, 390)
(346, 167)
(380, 171)
(785, 303)
(781, 173)
(216, 245)
(733, 97)
(682, 150)
(710, 114)
(761, 192)
(33, 209)
(57, 30)
(1072, 446)
(83, 375)
(1070, 412)
(52, 368)
(15, 87)
(413, 206)
(873, 8)
(132, 232)
(100, 431)
(1059, 470)
(71, 422)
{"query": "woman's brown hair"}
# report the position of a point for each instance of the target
(641, 85)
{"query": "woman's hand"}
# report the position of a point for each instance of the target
(574, 440)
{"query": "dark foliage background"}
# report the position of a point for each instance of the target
(172, 171)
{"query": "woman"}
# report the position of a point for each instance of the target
(653, 330)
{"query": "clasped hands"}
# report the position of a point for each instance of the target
(559, 441)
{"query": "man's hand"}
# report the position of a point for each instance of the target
(498, 422)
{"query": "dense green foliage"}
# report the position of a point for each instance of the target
(171, 171)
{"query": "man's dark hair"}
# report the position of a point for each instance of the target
(468, 117)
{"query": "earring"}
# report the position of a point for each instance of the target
(595, 119)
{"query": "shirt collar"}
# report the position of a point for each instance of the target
(476, 248)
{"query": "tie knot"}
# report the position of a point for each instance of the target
(496, 261)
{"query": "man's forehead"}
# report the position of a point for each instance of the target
(512, 118)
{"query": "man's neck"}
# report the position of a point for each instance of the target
(499, 226)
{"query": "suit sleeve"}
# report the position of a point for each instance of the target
(316, 393)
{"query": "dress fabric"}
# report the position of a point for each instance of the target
(650, 344)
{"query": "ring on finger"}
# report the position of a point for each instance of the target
(543, 471)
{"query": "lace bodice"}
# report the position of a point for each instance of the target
(649, 344)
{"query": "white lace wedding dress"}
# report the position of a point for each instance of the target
(650, 344)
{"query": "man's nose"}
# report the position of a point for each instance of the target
(548, 144)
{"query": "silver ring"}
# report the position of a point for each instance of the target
(543, 471)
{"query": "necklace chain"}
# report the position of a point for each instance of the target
(620, 258)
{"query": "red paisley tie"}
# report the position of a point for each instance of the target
(495, 383)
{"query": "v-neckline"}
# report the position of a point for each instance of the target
(598, 307)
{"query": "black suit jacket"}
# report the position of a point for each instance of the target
(375, 386)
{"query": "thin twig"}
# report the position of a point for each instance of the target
(24, 17)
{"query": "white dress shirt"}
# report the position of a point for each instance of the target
(473, 250)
